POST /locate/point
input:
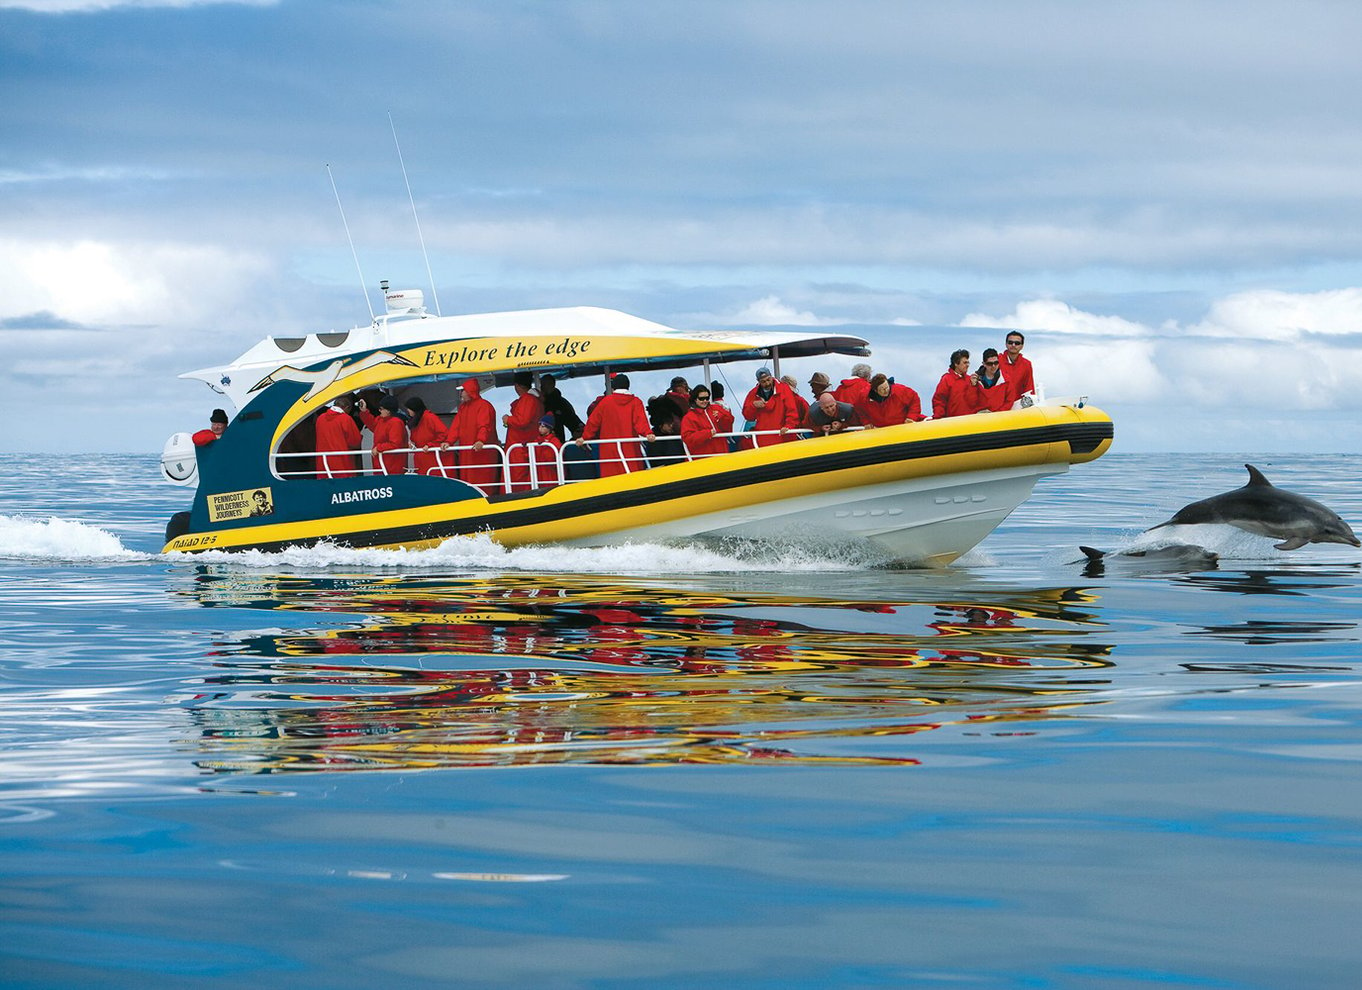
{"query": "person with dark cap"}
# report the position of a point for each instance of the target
(522, 429)
(771, 409)
(819, 383)
(390, 433)
(473, 429)
(618, 416)
(427, 433)
(338, 431)
(566, 423)
(217, 425)
(723, 416)
(544, 453)
(679, 394)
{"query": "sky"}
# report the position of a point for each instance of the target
(1166, 197)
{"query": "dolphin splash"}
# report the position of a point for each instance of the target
(1263, 508)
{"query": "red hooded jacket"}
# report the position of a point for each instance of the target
(955, 395)
(901, 405)
(780, 411)
(853, 390)
(698, 429)
(522, 427)
(337, 431)
(616, 415)
(475, 421)
(1019, 374)
(390, 433)
(429, 431)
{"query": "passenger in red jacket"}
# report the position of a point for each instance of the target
(618, 416)
(522, 429)
(721, 413)
(338, 431)
(771, 408)
(854, 389)
(890, 404)
(801, 403)
(217, 426)
(1016, 369)
(958, 393)
(475, 429)
(995, 393)
(702, 425)
(427, 431)
(390, 434)
(545, 453)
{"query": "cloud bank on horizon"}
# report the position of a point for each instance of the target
(1164, 196)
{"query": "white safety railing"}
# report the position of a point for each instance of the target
(517, 467)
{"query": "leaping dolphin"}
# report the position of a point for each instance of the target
(1176, 557)
(1263, 508)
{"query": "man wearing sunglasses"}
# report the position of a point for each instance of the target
(995, 392)
(1016, 370)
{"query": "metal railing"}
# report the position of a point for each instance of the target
(518, 466)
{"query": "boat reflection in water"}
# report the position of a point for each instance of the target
(425, 672)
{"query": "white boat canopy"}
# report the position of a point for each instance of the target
(659, 346)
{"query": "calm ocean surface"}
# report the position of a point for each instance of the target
(680, 767)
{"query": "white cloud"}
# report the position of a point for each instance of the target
(1264, 314)
(104, 282)
(770, 311)
(1057, 317)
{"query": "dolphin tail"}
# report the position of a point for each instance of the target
(1091, 554)
(1257, 477)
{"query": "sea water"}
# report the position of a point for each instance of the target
(681, 766)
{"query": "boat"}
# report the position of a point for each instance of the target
(918, 493)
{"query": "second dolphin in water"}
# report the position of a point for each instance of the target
(1263, 508)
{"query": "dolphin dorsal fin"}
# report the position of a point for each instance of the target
(1256, 477)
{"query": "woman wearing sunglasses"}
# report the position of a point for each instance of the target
(701, 426)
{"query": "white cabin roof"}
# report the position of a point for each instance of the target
(395, 331)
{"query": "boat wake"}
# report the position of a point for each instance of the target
(481, 553)
(53, 538)
(57, 540)
(1227, 543)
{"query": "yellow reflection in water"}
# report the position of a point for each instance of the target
(421, 672)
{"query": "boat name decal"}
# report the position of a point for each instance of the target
(456, 356)
(363, 495)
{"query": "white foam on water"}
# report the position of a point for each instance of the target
(1232, 545)
(480, 552)
(60, 539)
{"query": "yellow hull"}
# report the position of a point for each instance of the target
(925, 492)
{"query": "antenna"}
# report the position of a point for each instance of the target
(435, 295)
(344, 223)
